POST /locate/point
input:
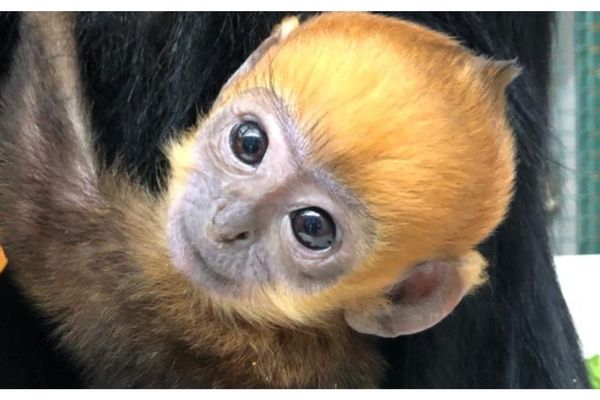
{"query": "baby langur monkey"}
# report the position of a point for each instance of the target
(338, 186)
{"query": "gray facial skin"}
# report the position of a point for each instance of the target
(230, 229)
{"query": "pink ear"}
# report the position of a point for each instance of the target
(421, 299)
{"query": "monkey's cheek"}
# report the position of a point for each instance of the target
(185, 258)
(182, 255)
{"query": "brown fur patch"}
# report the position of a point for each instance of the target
(406, 118)
(88, 247)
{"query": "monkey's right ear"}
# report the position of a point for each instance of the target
(279, 33)
(424, 296)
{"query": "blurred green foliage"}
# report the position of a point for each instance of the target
(593, 366)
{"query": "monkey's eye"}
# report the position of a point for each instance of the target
(313, 228)
(248, 142)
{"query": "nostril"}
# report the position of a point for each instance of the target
(241, 236)
(230, 238)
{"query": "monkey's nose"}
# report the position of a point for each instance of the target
(234, 223)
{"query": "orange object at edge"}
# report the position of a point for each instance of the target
(3, 260)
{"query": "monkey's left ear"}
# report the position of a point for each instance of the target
(279, 33)
(499, 73)
(426, 295)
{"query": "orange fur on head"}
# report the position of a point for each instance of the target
(411, 122)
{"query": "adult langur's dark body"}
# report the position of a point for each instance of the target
(148, 76)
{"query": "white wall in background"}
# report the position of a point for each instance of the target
(579, 278)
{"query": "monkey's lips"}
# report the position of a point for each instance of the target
(208, 267)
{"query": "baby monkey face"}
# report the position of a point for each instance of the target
(254, 213)
(351, 164)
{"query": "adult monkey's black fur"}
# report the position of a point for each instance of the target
(148, 75)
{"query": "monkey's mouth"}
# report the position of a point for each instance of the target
(190, 260)
(205, 267)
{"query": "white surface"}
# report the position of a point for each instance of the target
(579, 278)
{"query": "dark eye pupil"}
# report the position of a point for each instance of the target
(249, 142)
(313, 228)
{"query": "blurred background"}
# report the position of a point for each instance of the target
(575, 100)
(574, 190)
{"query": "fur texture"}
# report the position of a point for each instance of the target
(100, 243)
(122, 311)
(390, 123)
(151, 74)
